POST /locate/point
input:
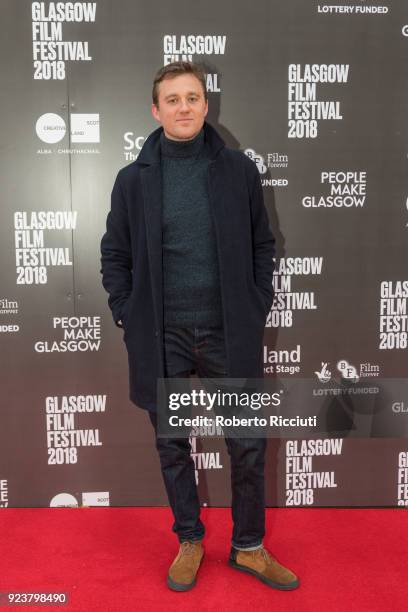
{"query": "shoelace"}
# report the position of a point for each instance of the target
(187, 548)
(268, 557)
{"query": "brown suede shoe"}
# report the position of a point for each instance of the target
(183, 570)
(261, 564)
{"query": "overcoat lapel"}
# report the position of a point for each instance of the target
(216, 195)
(152, 202)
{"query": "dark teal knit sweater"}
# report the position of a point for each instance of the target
(191, 282)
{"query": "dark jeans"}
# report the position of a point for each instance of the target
(203, 350)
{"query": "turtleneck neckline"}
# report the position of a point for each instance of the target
(182, 148)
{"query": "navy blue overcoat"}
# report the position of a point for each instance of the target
(131, 262)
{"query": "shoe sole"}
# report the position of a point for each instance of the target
(275, 585)
(177, 586)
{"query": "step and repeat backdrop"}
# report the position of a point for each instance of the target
(315, 93)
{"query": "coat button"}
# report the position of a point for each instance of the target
(156, 333)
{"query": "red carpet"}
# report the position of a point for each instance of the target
(116, 559)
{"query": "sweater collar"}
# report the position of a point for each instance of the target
(150, 152)
(181, 148)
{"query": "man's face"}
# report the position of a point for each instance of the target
(181, 107)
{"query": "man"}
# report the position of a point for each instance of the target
(187, 260)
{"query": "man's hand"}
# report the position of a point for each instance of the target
(116, 254)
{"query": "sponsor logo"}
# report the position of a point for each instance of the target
(132, 145)
(270, 161)
(347, 371)
(50, 128)
(324, 374)
(258, 159)
(348, 374)
(369, 369)
(282, 361)
(277, 160)
(359, 9)
(95, 499)
(85, 127)
(8, 306)
(64, 500)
